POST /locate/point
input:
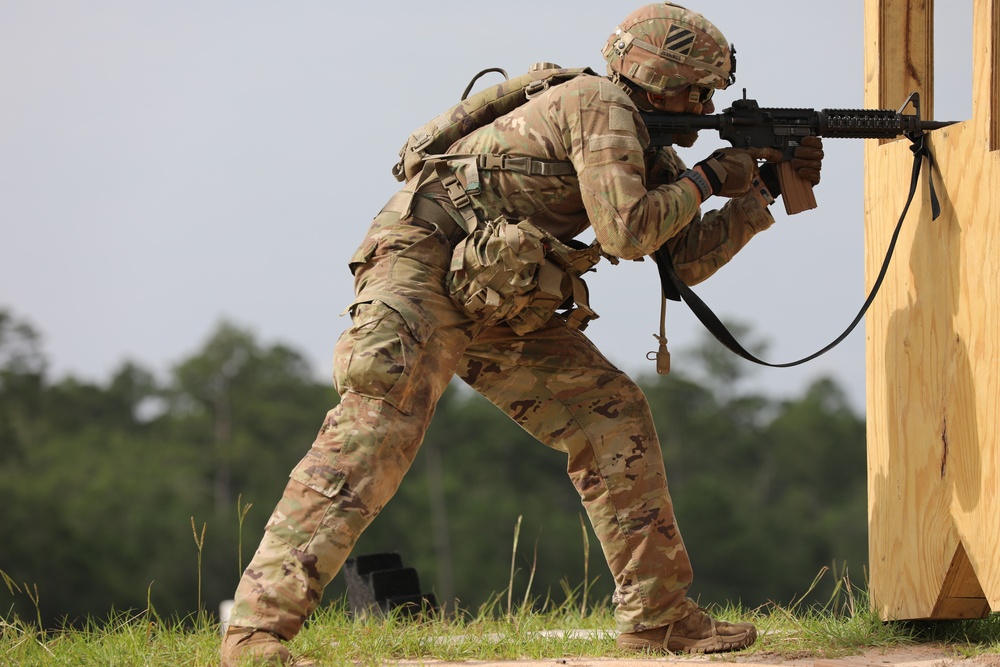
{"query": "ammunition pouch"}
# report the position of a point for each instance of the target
(515, 273)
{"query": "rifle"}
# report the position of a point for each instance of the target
(746, 124)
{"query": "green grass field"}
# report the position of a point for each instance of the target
(501, 631)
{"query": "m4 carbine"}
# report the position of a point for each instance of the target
(747, 125)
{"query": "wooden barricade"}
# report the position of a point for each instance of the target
(933, 334)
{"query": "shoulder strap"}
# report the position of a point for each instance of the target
(473, 112)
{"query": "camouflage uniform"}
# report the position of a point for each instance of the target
(408, 340)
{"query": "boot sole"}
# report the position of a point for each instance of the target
(716, 644)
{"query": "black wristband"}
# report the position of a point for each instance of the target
(698, 179)
(714, 172)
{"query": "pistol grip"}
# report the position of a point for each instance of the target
(796, 192)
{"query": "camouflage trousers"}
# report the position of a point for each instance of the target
(407, 341)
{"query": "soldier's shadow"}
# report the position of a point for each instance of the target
(934, 463)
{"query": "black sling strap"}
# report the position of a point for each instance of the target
(675, 289)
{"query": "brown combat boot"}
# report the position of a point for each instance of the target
(252, 647)
(695, 633)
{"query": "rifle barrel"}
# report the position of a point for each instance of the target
(872, 123)
(742, 124)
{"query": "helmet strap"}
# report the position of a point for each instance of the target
(694, 100)
(621, 82)
(634, 92)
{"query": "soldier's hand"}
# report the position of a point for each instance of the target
(808, 159)
(730, 171)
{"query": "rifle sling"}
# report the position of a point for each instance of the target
(676, 290)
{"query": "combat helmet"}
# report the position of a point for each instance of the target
(664, 47)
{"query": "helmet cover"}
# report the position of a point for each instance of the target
(663, 47)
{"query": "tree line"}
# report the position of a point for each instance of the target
(141, 490)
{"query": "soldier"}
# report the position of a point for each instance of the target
(574, 156)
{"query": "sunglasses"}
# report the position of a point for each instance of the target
(704, 92)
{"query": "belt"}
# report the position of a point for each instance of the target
(427, 210)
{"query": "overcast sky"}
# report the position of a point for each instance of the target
(165, 165)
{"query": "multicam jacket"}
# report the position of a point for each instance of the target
(627, 192)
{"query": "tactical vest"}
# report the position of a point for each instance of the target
(502, 271)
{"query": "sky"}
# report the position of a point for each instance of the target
(166, 166)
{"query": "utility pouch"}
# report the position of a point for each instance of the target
(516, 273)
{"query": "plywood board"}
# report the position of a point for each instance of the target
(933, 338)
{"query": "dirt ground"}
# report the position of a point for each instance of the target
(928, 655)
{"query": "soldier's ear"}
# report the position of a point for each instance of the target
(656, 99)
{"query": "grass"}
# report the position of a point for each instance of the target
(541, 631)
(534, 629)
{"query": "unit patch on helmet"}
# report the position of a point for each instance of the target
(680, 40)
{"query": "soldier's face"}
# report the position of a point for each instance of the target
(682, 102)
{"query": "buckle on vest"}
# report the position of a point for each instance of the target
(491, 161)
(455, 191)
(536, 88)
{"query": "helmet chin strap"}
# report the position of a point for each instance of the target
(694, 101)
(636, 94)
(620, 81)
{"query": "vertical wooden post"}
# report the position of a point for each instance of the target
(899, 58)
(991, 17)
(933, 335)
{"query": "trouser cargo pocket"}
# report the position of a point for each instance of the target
(378, 356)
